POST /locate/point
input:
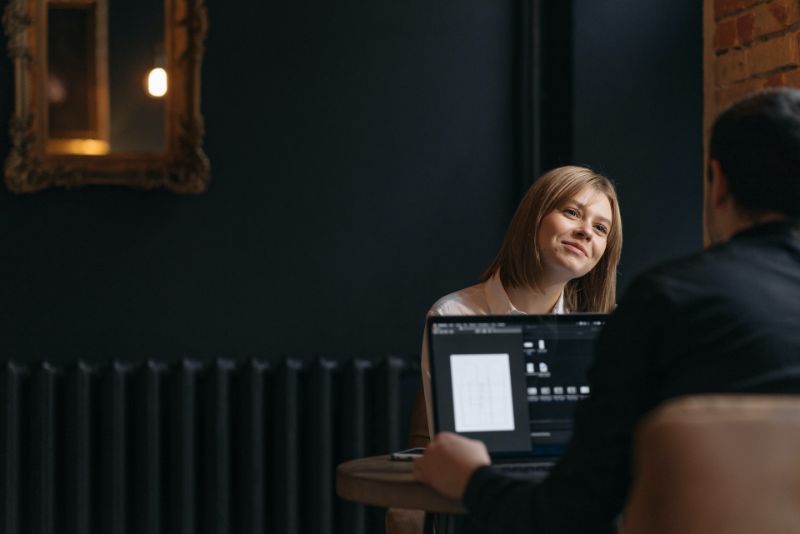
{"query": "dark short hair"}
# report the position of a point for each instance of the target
(757, 144)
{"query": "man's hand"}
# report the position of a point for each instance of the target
(449, 462)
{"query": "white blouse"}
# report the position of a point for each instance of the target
(486, 298)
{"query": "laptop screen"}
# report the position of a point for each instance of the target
(511, 381)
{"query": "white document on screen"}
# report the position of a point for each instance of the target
(482, 392)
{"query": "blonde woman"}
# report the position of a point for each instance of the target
(559, 255)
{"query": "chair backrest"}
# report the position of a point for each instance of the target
(717, 464)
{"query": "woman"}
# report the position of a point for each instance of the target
(559, 255)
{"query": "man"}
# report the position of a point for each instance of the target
(725, 320)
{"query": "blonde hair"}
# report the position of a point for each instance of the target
(519, 262)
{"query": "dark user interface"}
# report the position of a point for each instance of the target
(556, 354)
(557, 359)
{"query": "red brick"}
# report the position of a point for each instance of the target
(725, 36)
(776, 53)
(792, 78)
(787, 12)
(767, 18)
(745, 25)
(779, 11)
(730, 67)
(723, 8)
(789, 78)
(728, 95)
(776, 80)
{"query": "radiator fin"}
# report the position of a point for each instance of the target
(194, 447)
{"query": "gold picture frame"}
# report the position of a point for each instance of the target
(31, 166)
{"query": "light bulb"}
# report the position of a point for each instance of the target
(157, 82)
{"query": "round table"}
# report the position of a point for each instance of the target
(379, 481)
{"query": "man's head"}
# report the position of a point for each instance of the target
(754, 163)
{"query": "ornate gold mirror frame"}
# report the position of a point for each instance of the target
(34, 164)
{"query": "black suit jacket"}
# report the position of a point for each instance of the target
(726, 320)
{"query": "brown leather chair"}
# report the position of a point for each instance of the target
(717, 464)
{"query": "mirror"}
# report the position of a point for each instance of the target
(107, 92)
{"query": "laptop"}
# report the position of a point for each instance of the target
(512, 382)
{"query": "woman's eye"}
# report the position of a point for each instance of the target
(572, 212)
(601, 228)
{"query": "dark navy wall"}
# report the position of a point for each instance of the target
(363, 164)
(638, 112)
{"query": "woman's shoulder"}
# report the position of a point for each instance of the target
(468, 301)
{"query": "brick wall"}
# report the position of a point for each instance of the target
(747, 45)
(750, 44)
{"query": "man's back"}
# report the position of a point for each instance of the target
(729, 319)
(726, 320)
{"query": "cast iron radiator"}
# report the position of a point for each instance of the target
(194, 447)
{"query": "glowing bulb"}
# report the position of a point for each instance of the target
(157, 82)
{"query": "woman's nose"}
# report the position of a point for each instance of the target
(583, 231)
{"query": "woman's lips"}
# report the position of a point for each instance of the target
(576, 247)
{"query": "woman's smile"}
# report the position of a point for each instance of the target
(576, 248)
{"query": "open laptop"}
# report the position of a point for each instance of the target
(512, 382)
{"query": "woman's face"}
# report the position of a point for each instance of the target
(572, 238)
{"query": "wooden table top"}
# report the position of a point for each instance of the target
(379, 481)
